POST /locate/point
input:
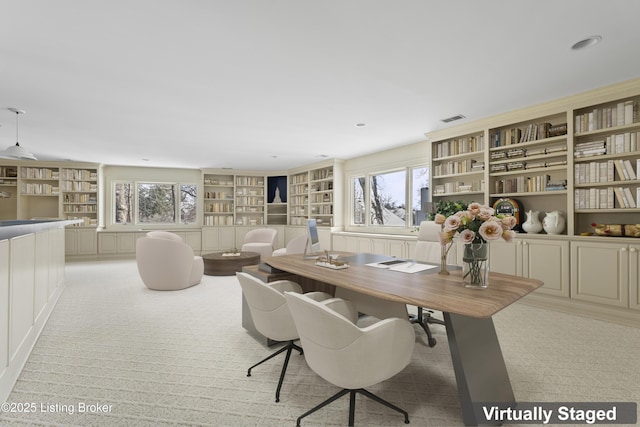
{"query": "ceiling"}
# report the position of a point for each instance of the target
(275, 84)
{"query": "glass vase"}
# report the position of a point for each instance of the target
(443, 260)
(475, 265)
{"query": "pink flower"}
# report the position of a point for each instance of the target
(474, 208)
(452, 223)
(508, 235)
(439, 219)
(490, 230)
(485, 213)
(508, 222)
(467, 236)
(446, 237)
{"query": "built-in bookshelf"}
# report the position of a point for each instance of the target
(250, 200)
(528, 161)
(39, 193)
(606, 160)
(79, 191)
(459, 168)
(321, 197)
(218, 199)
(298, 198)
(8, 192)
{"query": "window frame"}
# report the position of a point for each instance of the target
(135, 184)
(368, 226)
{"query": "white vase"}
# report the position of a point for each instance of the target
(553, 222)
(532, 225)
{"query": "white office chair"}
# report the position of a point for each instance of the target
(346, 355)
(261, 240)
(166, 263)
(271, 315)
(295, 246)
(429, 249)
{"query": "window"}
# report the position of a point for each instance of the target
(420, 202)
(155, 203)
(388, 198)
(389, 194)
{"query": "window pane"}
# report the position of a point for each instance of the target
(188, 211)
(420, 198)
(156, 203)
(123, 208)
(388, 198)
(358, 201)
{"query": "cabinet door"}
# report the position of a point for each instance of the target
(363, 245)
(4, 305)
(210, 238)
(86, 241)
(126, 243)
(506, 257)
(379, 246)
(547, 261)
(600, 273)
(340, 243)
(634, 276)
(397, 248)
(70, 242)
(227, 238)
(193, 239)
(107, 243)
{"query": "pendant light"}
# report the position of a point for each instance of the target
(16, 151)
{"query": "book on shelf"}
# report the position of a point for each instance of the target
(629, 169)
(629, 198)
(620, 197)
(638, 197)
(620, 169)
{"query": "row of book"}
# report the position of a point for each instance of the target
(605, 171)
(524, 152)
(79, 174)
(78, 186)
(39, 173)
(613, 144)
(458, 187)
(623, 113)
(529, 184)
(518, 166)
(531, 132)
(462, 166)
(39, 189)
(606, 198)
(470, 144)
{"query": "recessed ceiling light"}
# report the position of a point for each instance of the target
(361, 125)
(589, 41)
(145, 160)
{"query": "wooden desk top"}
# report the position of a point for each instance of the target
(423, 289)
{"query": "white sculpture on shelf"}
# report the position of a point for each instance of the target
(276, 198)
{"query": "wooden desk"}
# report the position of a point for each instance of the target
(481, 374)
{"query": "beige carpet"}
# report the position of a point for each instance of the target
(180, 359)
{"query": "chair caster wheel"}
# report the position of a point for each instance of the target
(432, 342)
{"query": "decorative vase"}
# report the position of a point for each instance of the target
(532, 225)
(553, 222)
(475, 265)
(443, 260)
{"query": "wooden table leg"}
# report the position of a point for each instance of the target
(481, 374)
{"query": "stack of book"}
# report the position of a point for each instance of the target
(555, 185)
(592, 148)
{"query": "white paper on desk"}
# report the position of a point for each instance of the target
(410, 267)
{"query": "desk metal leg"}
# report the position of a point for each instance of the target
(481, 374)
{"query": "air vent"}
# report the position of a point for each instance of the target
(453, 118)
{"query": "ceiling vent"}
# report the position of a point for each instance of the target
(453, 118)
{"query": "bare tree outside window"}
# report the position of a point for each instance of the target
(123, 210)
(388, 198)
(156, 203)
(358, 201)
(188, 207)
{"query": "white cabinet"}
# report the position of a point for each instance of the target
(546, 260)
(81, 241)
(634, 277)
(381, 245)
(117, 243)
(218, 239)
(602, 272)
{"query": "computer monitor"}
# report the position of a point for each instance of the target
(313, 241)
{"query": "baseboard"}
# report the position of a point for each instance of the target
(622, 316)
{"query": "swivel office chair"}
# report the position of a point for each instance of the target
(346, 355)
(271, 315)
(429, 249)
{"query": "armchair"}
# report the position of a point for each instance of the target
(261, 240)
